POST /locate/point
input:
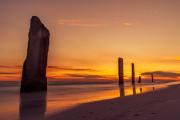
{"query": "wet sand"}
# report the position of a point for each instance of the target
(163, 104)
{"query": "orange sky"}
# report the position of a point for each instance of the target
(87, 36)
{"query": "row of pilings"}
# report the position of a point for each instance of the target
(121, 73)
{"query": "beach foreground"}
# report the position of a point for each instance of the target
(162, 104)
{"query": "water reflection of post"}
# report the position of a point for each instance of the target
(139, 81)
(134, 89)
(140, 89)
(121, 89)
(32, 106)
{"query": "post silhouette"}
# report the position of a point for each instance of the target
(152, 77)
(120, 71)
(139, 81)
(133, 73)
(34, 68)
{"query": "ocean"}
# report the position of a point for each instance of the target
(16, 106)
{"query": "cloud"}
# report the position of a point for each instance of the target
(163, 74)
(10, 67)
(177, 58)
(71, 69)
(8, 73)
(92, 23)
(127, 24)
(52, 67)
(79, 23)
(171, 59)
(83, 76)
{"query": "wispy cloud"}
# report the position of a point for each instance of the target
(71, 69)
(83, 76)
(8, 73)
(177, 58)
(80, 23)
(163, 74)
(172, 59)
(52, 67)
(127, 24)
(9, 67)
(93, 23)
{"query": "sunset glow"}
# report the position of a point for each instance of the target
(88, 36)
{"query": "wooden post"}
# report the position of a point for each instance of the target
(120, 71)
(152, 77)
(133, 73)
(139, 81)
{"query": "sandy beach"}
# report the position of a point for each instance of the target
(158, 105)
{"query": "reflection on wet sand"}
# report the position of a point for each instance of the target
(32, 106)
(140, 89)
(121, 90)
(133, 90)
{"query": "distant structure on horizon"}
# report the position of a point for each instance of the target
(120, 71)
(34, 68)
(133, 73)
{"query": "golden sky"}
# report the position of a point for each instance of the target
(87, 37)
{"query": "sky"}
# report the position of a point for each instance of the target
(88, 36)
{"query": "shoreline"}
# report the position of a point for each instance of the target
(162, 104)
(67, 83)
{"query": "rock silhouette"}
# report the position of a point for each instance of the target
(120, 71)
(34, 68)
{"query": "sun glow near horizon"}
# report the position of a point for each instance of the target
(87, 37)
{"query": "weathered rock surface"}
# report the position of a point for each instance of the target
(34, 68)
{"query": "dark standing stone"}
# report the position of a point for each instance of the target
(120, 71)
(34, 68)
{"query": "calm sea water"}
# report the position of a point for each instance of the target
(14, 106)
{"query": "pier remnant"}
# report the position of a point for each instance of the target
(152, 77)
(34, 68)
(139, 81)
(120, 71)
(133, 73)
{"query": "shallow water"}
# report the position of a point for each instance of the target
(59, 98)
